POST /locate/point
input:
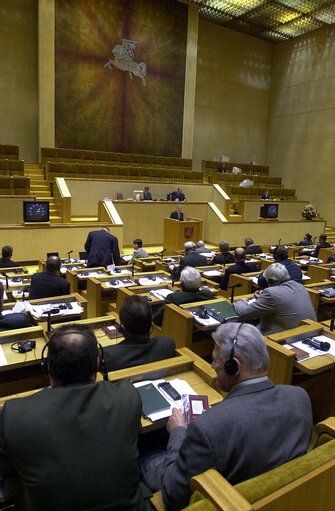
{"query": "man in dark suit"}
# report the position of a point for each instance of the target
(178, 214)
(323, 243)
(225, 257)
(15, 320)
(147, 194)
(137, 348)
(6, 254)
(250, 248)
(102, 248)
(280, 255)
(308, 240)
(239, 267)
(49, 283)
(266, 424)
(178, 195)
(280, 306)
(191, 258)
(74, 445)
(190, 282)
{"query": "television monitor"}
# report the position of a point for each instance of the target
(37, 211)
(269, 211)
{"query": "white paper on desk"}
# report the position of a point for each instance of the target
(149, 282)
(306, 277)
(181, 386)
(161, 294)
(304, 261)
(206, 321)
(121, 272)
(254, 279)
(314, 352)
(212, 273)
(3, 360)
(121, 283)
(127, 257)
(91, 274)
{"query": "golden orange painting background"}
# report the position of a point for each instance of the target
(104, 109)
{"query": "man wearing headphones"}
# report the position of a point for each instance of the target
(257, 427)
(73, 445)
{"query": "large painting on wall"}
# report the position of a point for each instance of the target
(120, 73)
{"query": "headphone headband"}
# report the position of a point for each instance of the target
(231, 366)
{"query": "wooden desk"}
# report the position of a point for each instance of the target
(77, 277)
(22, 371)
(186, 365)
(147, 263)
(322, 305)
(74, 297)
(100, 294)
(316, 375)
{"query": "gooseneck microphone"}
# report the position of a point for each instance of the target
(233, 291)
(69, 253)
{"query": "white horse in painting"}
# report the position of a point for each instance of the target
(124, 60)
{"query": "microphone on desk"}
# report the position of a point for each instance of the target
(162, 252)
(233, 291)
(49, 327)
(69, 253)
(132, 269)
(6, 277)
(332, 320)
(279, 241)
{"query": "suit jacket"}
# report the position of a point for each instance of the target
(256, 428)
(192, 259)
(174, 215)
(324, 244)
(147, 196)
(7, 263)
(253, 249)
(102, 248)
(225, 258)
(278, 307)
(180, 297)
(14, 321)
(293, 269)
(132, 352)
(240, 267)
(47, 283)
(74, 447)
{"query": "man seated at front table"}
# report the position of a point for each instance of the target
(49, 283)
(257, 427)
(137, 348)
(190, 282)
(73, 445)
(280, 255)
(308, 240)
(323, 243)
(280, 306)
(15, 320)
(6, 254)
(191, 258)
(240, 266)
(201, 249)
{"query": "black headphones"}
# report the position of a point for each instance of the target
(23, 346)
(102, 360)
(231, 366)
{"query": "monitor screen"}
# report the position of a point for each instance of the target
(269, 211)
(36, 211)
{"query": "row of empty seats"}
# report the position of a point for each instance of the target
(230, 179)
(14, 185)
(9, 151)
(82, 155)
(255, 192)
(11, 167)
(209, 166)
(95, 171)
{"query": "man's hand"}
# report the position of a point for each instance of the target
(176, 420)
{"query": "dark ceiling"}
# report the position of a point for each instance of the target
(272, 20)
